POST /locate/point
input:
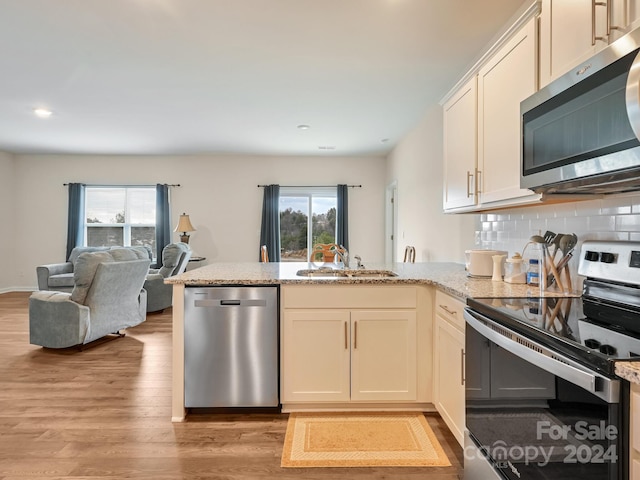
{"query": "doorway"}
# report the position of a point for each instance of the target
(391, 226)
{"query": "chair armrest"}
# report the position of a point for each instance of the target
(45, 271)
(55, 321)
(159, 294)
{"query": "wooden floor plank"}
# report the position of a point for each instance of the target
(104, 414)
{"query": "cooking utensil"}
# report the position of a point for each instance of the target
(556, 245)
(567, 244)
(551, 263)
(548, 237)
(561, 264)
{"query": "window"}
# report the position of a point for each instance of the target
(120, 216)
(307, 217)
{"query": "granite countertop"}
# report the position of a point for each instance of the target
(629, 371)
(449, 277)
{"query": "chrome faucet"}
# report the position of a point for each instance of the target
(343, 255)
(359, 261)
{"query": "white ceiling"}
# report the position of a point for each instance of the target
(212, 76)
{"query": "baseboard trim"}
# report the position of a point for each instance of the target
(352, 407)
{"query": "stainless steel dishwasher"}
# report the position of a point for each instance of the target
(231, 347)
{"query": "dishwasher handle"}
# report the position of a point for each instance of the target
(229, 303)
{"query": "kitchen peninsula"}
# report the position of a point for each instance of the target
(409, 297)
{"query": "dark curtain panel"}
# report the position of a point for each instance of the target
(163, 222)
(270, 230)
(75, 221)
(342, 220)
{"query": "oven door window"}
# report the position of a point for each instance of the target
(533, 424)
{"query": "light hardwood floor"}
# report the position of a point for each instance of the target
(104, 413)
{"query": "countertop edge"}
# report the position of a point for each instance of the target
(629, 371)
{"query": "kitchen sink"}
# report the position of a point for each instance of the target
(330, 272)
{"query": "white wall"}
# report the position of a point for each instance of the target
(9, 235)
(417, 166)
(219, 192)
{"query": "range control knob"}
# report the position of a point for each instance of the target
(608, 257)
(592, 256)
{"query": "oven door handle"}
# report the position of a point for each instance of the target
(603, 387)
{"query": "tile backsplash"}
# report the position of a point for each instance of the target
(609, 218)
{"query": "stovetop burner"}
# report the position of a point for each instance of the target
(562, 324)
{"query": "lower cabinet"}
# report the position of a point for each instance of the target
(449, 376)
(316, 356)
(449, 368)
(342, 355)
(383, 355)
(336, 351)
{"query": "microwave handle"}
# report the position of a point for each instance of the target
(605, 388)
(632, 95)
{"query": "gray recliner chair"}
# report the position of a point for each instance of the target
(107, 296)
(175, 258)
(59, 276)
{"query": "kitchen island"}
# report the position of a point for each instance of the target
(409, 295)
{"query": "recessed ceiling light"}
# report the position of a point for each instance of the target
(303, 127)
(42, 112)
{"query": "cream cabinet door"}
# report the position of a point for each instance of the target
(634, 433)
(460, 147)
(316, 355)
(449, 376)
(383, 355)
(508, 78)
(632, 11)
(569, 35)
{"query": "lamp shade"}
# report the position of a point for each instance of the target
(184, 224)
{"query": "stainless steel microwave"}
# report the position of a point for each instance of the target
(580, 133)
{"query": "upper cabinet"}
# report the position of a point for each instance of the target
(508, 77)
(460, 147)
(481, 122)
(573, 31)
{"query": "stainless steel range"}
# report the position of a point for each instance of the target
(542, 397)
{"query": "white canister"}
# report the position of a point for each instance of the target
(515, 270)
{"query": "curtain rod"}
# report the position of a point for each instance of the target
(116, 186)
(312, 186)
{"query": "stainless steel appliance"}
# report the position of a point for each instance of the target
(580, 133)
(231, 347)
(542, 397)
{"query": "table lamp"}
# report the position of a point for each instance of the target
(184, 226)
